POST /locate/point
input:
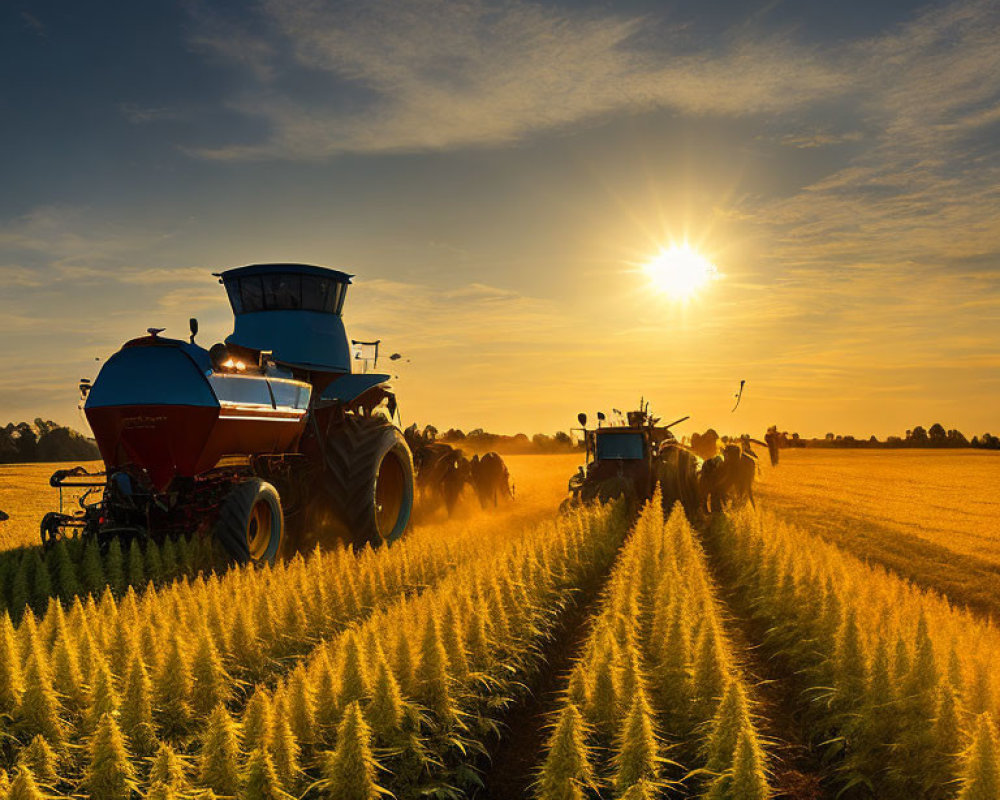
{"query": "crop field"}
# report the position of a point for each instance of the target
(25, 496)
(516, 652)
(932, 515)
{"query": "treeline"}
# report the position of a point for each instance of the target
(44, 441)
(479, 440)
(919, 437)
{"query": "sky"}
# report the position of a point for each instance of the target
(496, 174)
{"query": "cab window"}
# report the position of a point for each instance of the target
(319, 294)
(285, 292)
(282, 292)
(619, 445)
(252, 294)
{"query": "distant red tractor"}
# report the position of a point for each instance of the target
(268, 442)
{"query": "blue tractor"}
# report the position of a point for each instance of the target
(630, 459)
(268, 442)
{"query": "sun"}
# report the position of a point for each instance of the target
(680, 272)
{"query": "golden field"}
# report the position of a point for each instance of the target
(932, 515)
(519, 652)
(25, 496)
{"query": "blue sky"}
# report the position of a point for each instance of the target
(496, 174)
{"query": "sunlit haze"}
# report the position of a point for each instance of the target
(513, 184)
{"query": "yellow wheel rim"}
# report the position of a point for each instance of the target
(389, 490)
(259, 529)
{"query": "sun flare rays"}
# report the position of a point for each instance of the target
(679, 272)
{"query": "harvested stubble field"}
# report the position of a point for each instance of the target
(25, 496)
(408, 670)
(931, 515)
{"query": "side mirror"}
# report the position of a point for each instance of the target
(582, 418)
(193, 324)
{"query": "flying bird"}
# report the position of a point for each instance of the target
(739, 395)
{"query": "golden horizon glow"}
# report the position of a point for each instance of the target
(680, 272)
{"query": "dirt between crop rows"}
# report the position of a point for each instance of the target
(509, 775)
(795, 772)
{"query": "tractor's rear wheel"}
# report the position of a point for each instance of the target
(251, 524)
(369, 477)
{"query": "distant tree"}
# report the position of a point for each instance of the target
(989, 441)
(957, 439)
(937, 435)
(8, 447)
(918, 437)
(63, 444)
(830, 437)
(44, 441)
(563, 438)
(44, 426)
(26, 442)
(454, 435)
(541, 441)
(430, 433)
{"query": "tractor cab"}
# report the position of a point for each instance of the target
(639, 438)
(623, 459)
(292, 312)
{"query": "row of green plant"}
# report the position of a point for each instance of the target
(432, 676)
(202, 641)
(420, 676)
(31, 576)
(897, 685)
(656, 704)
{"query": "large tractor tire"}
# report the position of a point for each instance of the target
(251, 524)
(369, 476)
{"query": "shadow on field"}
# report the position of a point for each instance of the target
(963, 579)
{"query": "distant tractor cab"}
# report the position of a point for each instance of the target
(628, 460)
(266, 442)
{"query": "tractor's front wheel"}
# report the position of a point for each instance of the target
(369, 477)
(251, 524)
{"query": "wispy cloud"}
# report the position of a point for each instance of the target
(34, 23)
(80, 246)
(141, 115)
(435, 74)
(924, 188)
(812, 139)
